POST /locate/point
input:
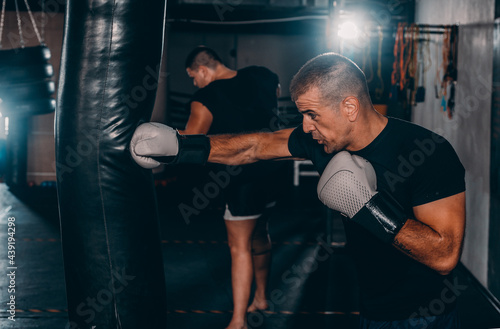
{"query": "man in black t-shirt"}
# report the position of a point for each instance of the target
(230, 101)
(400, 186)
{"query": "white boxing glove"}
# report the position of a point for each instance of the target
(349, 185)
(150, 140)
(154, 143)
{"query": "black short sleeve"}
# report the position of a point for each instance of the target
(245, 103)
(203, 96)
(438, 171)
(297, 143)
(302, 145)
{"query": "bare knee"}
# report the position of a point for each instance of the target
(261, 242)
(239, 244)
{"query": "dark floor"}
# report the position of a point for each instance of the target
(307, 291)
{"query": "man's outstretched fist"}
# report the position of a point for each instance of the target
(154, 143)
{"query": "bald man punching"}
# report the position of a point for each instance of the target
(400, 187)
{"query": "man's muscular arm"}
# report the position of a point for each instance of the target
(435, 238)
(248, 148)
(154, 143)
(199, 121)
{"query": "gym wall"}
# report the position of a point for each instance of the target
(41, 152)
(283, 54)
(469, 129)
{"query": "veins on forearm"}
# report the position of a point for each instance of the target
(403, 248)
(230, 149)
(419, 241)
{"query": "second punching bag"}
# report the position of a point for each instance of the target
(109, 218)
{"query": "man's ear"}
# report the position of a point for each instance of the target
(351, 107)
(207, 73)
(203, 70)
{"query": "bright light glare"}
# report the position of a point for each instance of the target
(348, 30)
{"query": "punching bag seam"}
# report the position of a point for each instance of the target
(117, 318)
(110, 232)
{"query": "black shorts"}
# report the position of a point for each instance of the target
(251, 190)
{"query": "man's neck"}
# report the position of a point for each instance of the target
(372, 124)
(222, 72)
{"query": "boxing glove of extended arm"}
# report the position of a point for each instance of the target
(349, 185)
(155, 143)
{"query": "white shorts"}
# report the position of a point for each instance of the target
(229, 216)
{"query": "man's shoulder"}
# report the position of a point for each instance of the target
(202, 92)
(214, 86)
(206, 94)
(410, 130)
(256, 70)
(410, 137)
(408, 126)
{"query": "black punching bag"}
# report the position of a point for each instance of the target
(109, 218)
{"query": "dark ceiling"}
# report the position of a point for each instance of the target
(219, 14)
(290, 16)
(36, 5)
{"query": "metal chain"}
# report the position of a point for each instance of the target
(33, 21)
(43, 22)
(19, 25)
(2, 20)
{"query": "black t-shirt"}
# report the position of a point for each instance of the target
(416, 166)
(245, 103)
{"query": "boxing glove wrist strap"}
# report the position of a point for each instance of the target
(193, 149)
(383, 216)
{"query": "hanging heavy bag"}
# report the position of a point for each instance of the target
(107, 203)
(25, 74)
(26, 91)
(33, 98)
(29, 107)
(24, 56)
(26, 87)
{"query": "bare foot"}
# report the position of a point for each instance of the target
(257, 305)
(234, 325)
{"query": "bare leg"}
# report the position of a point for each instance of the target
(261, 246)
(239, 233)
